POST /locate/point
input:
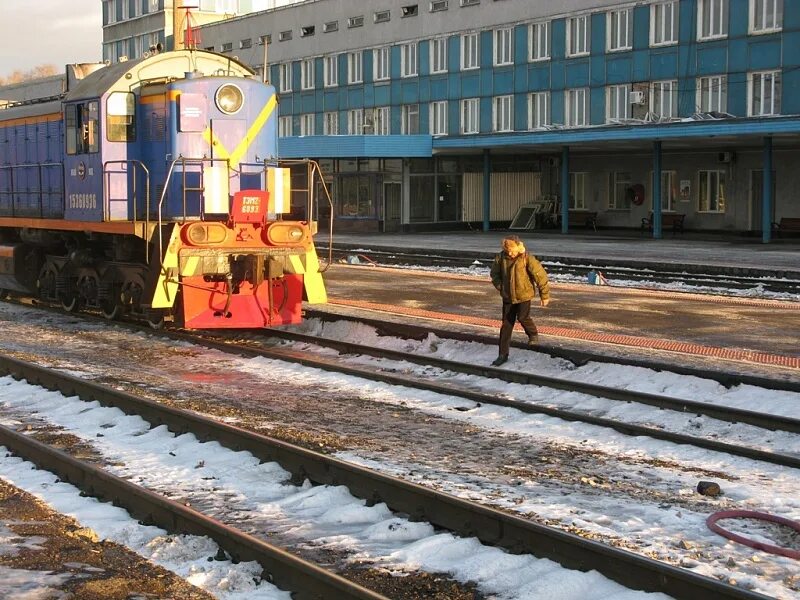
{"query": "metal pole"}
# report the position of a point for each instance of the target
(487, 188)
(766, 202)
(565, 189)
(657, 190)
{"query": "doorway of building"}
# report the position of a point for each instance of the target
(391, 206)
(757, 199)
(447, 198)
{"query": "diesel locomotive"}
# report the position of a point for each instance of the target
(153, 187)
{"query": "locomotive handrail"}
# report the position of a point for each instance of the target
(39, 166)
(106, 192)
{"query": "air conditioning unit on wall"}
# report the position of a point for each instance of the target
(637, 97)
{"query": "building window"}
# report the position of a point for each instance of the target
(469, 51)
(711, 191)
(503, 113)
(618, 102)
(538, 110)
(355, 21)
(620, 30)
(664, 23)
(265, 39)
(410, 115)
(307, 74)
(285, 77)
(307, 124)
(355, 121)
(470, 115)
(664, 99)
(438, 5)
(764, 93)
(331, 69)
(578, 36)
(669, 191)
(226, 47)
(712, 19)
(245, 44)
(330, 27)
(438, 118)
(619, 198)
(577, 191)
(354, 66)
(438, 55)
(380, 121)
(382, 16)
(285, 126)
(539, 41)
(766, 16)
(410, 11)
(331, 123)
(503, 47)
(381, 58)
(576, 107)
(408, 60)
(712, 94)
(307, 31)
(285, 36)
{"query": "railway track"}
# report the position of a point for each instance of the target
(490, 526)
(633, 274)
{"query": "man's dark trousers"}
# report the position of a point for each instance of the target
(511, 313)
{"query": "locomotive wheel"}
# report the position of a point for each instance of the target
(154, 318)
(71, 301)
(111, 305)
(3, 294)
(46, 282)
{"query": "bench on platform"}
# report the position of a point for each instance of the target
(787, 225)
(582, 218)
(673, 221)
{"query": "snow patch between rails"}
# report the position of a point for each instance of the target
(319, 516)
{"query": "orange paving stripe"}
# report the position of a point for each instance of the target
(750, 356)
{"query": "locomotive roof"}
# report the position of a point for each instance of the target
(129, 75)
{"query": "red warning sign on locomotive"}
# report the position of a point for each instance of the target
(249, 206)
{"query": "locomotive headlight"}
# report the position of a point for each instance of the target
(229, 98)
(282, 233)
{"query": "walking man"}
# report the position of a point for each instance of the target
(516, 274)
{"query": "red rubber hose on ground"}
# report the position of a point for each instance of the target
(711, 521)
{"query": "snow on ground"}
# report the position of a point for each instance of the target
(325, 515)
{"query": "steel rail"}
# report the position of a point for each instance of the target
(723, 413)
(285, 570)
(491, 526)
(576, 357)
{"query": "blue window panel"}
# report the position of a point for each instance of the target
(557, 106)
(395, 117)
(395, 89)
(454, 54)
(319, 123)
(539, 77)
(521, 78)
(520, 112)
(355, 98)
(619, 69)
(382, 94)
(641, 65)
(425, 85)
(423, 56)
(503, 81)
(470, 85)
(453, 117)
(790, 103)
(687, 30)
(765, 53)
(597, 24)
(410, 91)
(454, 86)
(438, 89)
(738, 23)
(394, 62)
(307, 102)
(687, 59)
(330, 100)
(737, 94)
(521, 44)
(598, 69)
(319, 101)
(319, 73)
(664, 64)
(487, 82)
(366, 67)
(597, 106)
(712, 59)
(738, 53)
(296, 75)
(791, 16)
(791, 40)
(486, 49)
(558, 76)
(558, 39)
(342, 69)
(369, 95)
(286, 106)
(687, 96)
(485, 114)
(641, 27)
(275, 73)
(424, 118)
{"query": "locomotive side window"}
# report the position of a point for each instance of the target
(121, 112)
(82, 120)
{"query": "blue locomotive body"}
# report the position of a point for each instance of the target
(97, 187)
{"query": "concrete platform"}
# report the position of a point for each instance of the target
(712, 253)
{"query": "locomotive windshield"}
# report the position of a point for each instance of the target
(121, 111)
(81, 124)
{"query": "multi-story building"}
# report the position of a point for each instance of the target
(133, 27)
(448, 112)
